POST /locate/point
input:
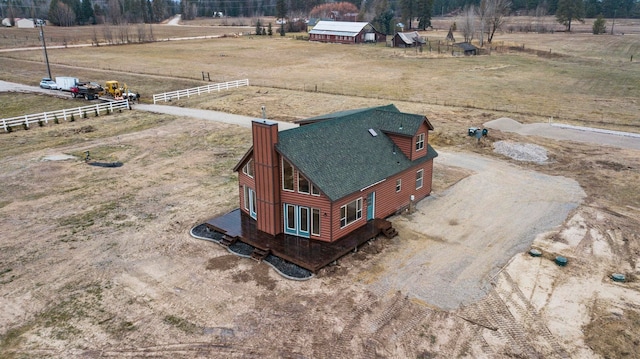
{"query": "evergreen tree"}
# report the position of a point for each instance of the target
(270, 30)
(258, 27)
(599, 25)
(281, 12)
(424, 13)
(568, 11)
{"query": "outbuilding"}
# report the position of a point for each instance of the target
(408, 39)
(345, 32)
(25, 24)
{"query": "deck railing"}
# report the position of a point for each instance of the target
(63, 115)
(175, 95)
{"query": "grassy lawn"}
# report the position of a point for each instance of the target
(590, 82)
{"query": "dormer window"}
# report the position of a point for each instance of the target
(248, 168)
(420, 142)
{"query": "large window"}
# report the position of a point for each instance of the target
(420, 142)
(315, 221)
(303, 184)
(250, 201)
(248, 168)
(419, 179)
(287, 175)
(350, 212)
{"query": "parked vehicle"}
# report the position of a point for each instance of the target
(87, 90)
(113, 89)
(65, 83)
(47, 83)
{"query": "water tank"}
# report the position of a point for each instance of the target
(561, 261)
(535, 252)
(618, 277)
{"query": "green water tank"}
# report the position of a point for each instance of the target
(561, 261)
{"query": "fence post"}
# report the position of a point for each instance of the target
(128, 105)
(45, 118)
(26, 120)
(4, 124)
(111, 107)
(64, 114)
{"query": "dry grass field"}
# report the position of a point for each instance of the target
(97, 262)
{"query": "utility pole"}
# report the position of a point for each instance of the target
(614, 20)
(44, 47)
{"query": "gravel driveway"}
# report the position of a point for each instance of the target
(457, 240)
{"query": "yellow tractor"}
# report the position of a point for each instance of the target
(118, 92)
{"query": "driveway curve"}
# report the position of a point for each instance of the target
(458, 240)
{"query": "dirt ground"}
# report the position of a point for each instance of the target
(98, 262)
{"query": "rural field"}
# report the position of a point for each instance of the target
(98, 262)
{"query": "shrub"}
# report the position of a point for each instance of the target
(72, 118)
(24, 126)
(599, 25)
(84, 114)
(97, 113)
(55, 119)
(9, 129)
(40, 123)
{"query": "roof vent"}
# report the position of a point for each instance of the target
(373, 132)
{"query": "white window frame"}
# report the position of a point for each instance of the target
(420, 142)
(308, 184)
(344, 212)
(314, 190)
(315, 230)
(419, 178)
(293, 178)
(248, 168)
(398, 185)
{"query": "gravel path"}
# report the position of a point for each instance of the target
(459, 239)
(239, 120)
(566, 132)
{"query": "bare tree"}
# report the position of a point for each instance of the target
(142, 32)
(468, 26)
(107, 33)
(63, 14)
(484, 12)
(498, 10)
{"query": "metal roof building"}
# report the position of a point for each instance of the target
(345, 32)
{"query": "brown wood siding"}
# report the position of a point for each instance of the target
(244, 180)
(267, 179)
(387, 201)
(307, 200)
(338, 232)
(404, 143)
(423, 152)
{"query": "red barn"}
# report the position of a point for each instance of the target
(344, 32)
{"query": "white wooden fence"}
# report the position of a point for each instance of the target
(63, 115)
(168, 96)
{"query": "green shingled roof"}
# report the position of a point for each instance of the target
(340, 156)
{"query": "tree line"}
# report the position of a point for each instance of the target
(385, 14)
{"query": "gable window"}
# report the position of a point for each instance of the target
(419, 178)
(398, 185)
(248, 168)
(350, 212)
(303, 184)
(287, 175)
(420, 142)
(315, 191)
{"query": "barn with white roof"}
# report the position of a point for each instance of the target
(345, 32)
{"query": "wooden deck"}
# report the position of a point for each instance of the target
(304, 252)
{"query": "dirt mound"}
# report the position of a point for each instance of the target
(504, 124)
